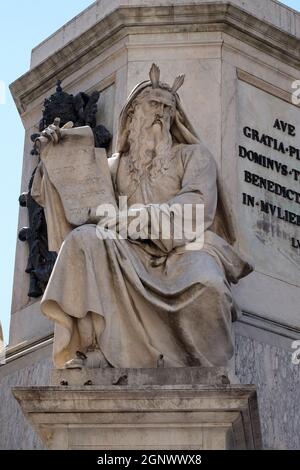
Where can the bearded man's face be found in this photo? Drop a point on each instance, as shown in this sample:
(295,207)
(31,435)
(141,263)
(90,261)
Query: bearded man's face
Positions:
(149,135)
(154,114)
(159,106)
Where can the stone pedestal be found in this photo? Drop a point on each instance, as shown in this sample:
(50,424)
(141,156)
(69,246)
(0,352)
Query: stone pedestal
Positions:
(188,415)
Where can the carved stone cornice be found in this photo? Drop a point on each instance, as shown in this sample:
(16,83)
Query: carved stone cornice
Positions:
(124,21)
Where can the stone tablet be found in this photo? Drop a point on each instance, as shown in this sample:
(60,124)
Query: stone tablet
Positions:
(79,172)
(268,154)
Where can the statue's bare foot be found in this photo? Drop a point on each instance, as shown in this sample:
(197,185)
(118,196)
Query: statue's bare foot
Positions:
(77,362)
(96,359)
(93,359)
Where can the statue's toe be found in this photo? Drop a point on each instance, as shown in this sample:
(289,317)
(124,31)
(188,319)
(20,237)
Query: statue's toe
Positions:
(75,363)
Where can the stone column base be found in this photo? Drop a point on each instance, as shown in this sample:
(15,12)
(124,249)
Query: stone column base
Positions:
(142,416)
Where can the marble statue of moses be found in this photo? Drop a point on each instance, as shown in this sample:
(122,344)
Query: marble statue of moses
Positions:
(136,300)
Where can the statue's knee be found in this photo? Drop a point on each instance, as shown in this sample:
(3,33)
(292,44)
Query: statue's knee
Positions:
(81,234)
(88,238)
(104,233)
(218,287)
(81,239)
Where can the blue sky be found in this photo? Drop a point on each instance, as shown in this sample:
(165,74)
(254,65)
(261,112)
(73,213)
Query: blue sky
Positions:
(23,25)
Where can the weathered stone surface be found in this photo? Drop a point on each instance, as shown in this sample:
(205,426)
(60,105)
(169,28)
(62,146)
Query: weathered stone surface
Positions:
(278,389)
(28,324)
(140,377)
(145,417)
(277,13)
(268,139)
(15,431)
(266,365)
(68,58)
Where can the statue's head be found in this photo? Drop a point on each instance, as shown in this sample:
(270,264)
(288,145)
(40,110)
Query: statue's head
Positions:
(153,109)
(154,106)
(151,121)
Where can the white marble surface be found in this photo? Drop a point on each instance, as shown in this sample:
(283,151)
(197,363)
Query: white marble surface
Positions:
(144,417)
(265,236)
(29,324)
(267,365)
(269,10)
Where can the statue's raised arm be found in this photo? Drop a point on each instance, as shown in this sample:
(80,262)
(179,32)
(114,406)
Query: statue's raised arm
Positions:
(72,180)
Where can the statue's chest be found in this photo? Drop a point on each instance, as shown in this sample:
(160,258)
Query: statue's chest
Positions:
(150,189)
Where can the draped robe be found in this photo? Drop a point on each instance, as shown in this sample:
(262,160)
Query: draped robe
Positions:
(139,299)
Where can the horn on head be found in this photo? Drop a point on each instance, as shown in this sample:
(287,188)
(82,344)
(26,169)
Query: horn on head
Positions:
(154,75)
(178,82)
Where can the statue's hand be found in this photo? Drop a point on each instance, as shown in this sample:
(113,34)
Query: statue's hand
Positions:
(114,222)
(131,223)
(54,132)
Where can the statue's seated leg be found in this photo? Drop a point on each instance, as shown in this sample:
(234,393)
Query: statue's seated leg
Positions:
(217,297)
(89,328)
(204,324)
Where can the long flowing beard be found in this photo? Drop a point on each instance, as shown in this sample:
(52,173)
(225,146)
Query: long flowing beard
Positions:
(144,161)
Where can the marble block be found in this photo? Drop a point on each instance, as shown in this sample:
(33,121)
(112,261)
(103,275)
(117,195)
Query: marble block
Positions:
(186,415)
(140,377)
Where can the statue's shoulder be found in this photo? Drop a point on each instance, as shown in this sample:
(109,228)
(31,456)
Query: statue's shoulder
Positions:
(196,152)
